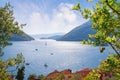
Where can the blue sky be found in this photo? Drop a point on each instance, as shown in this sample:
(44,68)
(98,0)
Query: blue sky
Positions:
(48,16)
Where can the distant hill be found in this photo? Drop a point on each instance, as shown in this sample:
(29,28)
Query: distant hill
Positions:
(79,33)
(21,37)
(46,35)
(55,37)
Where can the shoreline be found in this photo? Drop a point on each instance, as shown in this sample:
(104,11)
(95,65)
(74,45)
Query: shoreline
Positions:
(66,74)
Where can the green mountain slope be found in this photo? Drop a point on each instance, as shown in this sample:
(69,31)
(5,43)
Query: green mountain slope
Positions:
(21,37)
(79,33)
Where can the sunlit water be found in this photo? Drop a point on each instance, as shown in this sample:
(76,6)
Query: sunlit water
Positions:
(56,54)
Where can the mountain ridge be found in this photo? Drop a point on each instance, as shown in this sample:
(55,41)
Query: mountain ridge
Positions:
(20,37)
(79,33)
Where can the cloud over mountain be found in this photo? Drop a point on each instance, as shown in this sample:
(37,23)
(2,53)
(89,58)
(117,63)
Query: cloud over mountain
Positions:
(60,19)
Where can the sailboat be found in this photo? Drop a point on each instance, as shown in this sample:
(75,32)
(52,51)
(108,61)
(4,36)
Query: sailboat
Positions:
(46,43)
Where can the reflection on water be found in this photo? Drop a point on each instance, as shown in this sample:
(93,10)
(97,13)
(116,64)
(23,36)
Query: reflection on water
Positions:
(48,55)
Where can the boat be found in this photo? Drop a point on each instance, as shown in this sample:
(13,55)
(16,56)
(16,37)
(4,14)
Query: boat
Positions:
(36,49)
(27,63)
(45,65)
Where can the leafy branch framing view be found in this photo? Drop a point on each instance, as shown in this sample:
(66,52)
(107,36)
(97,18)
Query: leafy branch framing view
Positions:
(105,18)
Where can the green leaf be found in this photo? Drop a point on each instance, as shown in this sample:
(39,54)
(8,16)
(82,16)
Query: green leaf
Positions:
(108,39)
(77,7)
(113,38)
(90,0)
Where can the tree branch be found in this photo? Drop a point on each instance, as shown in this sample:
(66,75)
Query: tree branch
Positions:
(114,49)
(112,7)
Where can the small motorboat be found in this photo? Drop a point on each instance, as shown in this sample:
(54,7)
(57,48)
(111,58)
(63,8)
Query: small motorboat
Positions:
(45,43)
(36,49)
(45,65)
(27,63)
(51,53)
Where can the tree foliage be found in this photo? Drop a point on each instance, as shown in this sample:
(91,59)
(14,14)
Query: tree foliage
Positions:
(109,69)
(105,17)
(20,73)
(8,26)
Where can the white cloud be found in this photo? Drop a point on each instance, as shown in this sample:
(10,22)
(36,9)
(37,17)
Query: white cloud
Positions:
(38,22)
(65,11)
(62,19)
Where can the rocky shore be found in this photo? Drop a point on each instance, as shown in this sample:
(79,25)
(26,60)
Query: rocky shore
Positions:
(65,75)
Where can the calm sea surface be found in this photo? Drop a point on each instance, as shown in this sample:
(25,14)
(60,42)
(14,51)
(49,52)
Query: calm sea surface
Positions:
(56,54)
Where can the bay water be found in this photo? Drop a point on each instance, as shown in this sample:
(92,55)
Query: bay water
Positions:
(45,56)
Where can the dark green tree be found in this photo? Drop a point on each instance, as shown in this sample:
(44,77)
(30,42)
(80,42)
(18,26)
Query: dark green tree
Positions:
(20,73)
(8,26)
